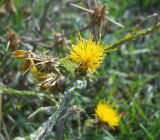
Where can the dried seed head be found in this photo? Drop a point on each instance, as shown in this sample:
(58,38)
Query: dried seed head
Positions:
(98,15)
(49,81)
(10,7)
(43,67)
(26,65)
(58,37)
(43,63)
(46,63)
(13,39)
(2,10)
(59,40)
(52,81)
(25,10)
(27,57)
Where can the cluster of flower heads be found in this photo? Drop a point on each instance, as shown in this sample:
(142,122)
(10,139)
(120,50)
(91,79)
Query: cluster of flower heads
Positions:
(87,56)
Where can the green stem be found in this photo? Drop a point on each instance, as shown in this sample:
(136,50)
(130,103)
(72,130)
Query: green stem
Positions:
(46,128)
(11,91)
(133,35)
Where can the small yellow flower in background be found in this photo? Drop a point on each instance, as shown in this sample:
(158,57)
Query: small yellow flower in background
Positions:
(107,114)
(88,54)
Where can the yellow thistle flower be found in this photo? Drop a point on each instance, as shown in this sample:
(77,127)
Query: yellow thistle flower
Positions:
(87,54)
(107,114)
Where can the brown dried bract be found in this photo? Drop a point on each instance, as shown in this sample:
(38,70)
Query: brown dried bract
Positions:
(13,39)
(98,15)
(27,57)
(25,10)
(2,10)
(43,67)
(59,39)
(10,7)
(46,63)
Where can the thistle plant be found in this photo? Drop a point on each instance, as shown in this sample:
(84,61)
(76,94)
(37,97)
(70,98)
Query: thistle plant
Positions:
(60,67)
(86,56)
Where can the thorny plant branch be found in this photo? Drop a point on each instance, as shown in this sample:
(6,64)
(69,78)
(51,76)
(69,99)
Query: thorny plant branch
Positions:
(11,91)
(154,16)
(134,34)
(45,129)
(48,110)
(61,124)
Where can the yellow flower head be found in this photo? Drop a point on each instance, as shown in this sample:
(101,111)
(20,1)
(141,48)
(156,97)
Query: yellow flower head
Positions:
(88,54)
(107,115)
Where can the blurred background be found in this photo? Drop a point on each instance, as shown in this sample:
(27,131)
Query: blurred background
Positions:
(129,77)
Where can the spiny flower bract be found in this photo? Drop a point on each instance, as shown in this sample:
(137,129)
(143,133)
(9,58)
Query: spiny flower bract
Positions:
(107,114)
(88,54)
(28,64)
